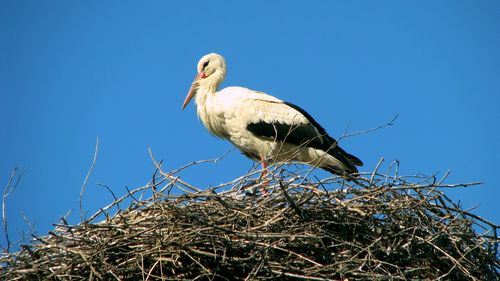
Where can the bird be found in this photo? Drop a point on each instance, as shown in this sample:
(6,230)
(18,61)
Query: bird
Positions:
(263,127)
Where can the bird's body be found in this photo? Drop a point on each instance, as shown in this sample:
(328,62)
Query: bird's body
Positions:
(263,127)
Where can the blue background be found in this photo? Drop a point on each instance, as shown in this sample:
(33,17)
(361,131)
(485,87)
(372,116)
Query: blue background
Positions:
(72,71)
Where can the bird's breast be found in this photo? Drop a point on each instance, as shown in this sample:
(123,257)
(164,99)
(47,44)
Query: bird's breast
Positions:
(212,114)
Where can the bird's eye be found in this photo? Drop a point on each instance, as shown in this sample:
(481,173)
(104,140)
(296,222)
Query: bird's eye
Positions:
(205,64)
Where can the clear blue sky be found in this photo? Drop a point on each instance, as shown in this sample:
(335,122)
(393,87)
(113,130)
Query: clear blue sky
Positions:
(71,71)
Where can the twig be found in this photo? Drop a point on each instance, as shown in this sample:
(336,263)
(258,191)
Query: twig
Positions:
(390,123)
(110,191)
(87,177)
(299,276)
(170,174)
(376,169)
(6,192)
(290,200)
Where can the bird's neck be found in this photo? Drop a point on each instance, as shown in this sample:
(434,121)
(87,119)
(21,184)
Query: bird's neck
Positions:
(208,86)
(205,95)
(201,97)
(204,109)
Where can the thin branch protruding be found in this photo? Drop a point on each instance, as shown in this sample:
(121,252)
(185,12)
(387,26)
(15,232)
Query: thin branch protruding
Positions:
(82,215)
(14,179)
(390,123)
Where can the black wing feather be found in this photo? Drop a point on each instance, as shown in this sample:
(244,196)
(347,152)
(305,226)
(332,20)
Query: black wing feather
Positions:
(330,141)
(304,135)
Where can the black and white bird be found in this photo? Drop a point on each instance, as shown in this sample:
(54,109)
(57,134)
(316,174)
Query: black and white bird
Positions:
(263,127)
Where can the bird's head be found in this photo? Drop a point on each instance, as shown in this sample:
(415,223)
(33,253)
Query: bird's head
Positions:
(211,72)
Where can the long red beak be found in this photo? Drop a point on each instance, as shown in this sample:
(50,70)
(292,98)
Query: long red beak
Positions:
(190,95)
(192,90)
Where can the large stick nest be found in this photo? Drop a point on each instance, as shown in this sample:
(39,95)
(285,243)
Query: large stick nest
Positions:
(376,227)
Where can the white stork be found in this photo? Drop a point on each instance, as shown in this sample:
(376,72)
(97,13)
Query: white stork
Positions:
(263,127)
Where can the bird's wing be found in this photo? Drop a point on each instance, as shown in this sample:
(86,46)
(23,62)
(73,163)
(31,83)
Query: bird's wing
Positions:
(329,143)
(285,122)
(268,117)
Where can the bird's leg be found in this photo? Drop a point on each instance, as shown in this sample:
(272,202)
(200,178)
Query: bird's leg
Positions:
(264,169)
(265,183)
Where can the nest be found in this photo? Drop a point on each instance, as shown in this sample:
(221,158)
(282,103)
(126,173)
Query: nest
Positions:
(290,227)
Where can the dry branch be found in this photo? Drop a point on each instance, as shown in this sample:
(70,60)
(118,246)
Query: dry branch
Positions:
(14,180)
(381,227)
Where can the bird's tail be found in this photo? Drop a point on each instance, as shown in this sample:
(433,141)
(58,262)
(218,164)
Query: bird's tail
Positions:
(351,158)
(348,162)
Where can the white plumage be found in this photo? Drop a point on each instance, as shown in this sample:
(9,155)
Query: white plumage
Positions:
(263,127)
